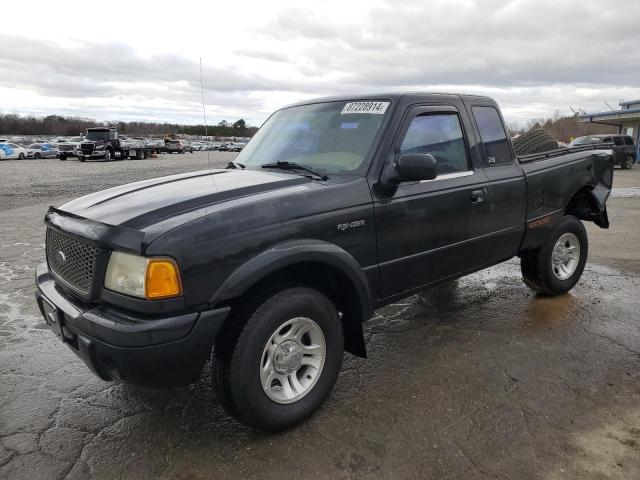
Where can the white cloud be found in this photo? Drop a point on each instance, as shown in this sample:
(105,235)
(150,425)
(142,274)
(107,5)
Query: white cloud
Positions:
(533,56)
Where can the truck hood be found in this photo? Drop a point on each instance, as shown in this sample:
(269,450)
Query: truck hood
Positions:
(142,204)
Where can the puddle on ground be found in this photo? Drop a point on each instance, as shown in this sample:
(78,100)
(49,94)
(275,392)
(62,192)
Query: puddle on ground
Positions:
(544,312)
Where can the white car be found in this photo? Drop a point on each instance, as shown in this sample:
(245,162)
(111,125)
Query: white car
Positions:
(41,150)
(11,150)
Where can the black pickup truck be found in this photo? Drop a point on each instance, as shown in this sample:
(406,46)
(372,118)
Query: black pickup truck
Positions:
(335,208)
(104,143)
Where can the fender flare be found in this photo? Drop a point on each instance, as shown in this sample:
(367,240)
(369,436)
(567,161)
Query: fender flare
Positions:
(290,253)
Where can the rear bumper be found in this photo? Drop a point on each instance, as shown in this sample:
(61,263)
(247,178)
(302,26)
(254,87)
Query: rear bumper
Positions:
(117,345)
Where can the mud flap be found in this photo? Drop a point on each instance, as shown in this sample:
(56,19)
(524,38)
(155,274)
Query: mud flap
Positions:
(602,219)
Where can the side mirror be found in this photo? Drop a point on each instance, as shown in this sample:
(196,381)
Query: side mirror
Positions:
(412,167)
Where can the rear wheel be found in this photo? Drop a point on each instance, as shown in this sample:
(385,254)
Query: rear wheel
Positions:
(556,267)
(628,162)
(139,154)
(36,155)
(279,357)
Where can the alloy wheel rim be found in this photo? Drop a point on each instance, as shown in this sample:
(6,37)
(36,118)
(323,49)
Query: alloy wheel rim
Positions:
(292,360)
(565,256)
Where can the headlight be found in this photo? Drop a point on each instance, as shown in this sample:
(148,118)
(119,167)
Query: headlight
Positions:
(99,147)
(150,278)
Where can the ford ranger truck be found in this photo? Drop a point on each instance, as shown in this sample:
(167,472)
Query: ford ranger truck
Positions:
(335,208)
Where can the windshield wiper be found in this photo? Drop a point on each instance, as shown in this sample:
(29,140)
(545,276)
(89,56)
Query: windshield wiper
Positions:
(234,165)
(294,166)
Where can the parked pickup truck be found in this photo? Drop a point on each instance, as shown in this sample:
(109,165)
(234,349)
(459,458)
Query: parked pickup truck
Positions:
(105,144)
(335,208)
(68,148)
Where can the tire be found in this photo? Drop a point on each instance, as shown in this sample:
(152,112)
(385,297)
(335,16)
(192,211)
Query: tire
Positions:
(21,156)
(627,163)
(82,158)
(539,271)
(139,154)
(244,346)
(107,155)
(36,155)
(534,141)
(63,157)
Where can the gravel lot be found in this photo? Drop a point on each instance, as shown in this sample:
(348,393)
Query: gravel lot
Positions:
(477,379)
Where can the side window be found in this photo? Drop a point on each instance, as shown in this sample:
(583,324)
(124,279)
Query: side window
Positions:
(618,141)
(440,135)
(492,134)
(628,141)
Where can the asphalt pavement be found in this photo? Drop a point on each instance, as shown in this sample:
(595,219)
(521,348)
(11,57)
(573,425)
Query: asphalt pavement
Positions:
(477,379)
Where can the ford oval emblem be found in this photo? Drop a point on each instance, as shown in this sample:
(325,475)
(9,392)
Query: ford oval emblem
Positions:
(61,258)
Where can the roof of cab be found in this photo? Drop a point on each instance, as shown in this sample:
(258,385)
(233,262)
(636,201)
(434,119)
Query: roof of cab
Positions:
(385,96)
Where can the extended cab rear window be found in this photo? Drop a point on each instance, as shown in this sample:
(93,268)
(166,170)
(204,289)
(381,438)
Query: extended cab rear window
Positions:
(492,134)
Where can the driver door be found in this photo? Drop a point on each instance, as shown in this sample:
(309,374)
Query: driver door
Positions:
(430,230)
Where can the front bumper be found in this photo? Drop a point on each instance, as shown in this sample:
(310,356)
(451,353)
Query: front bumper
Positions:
(94,154)
(117,345)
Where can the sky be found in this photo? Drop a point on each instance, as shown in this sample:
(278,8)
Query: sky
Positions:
(127,60)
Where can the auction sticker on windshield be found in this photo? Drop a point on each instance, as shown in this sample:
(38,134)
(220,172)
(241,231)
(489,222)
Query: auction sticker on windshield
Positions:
(365,107)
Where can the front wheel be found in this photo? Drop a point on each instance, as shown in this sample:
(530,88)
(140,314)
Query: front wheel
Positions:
(21,156)
(556,266)
(278,359)
(63,157)
(107,155)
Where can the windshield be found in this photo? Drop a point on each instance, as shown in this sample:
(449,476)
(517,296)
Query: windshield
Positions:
(585,140)
(97,135)
(75,139)
(334,137)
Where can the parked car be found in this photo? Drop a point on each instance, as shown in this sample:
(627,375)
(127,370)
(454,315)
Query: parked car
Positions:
(334,209)
(12,151)
(41,150)
(624,150)
(173,146)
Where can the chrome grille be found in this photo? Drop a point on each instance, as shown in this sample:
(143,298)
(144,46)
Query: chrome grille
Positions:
(73,261)
(65,148)
(87,147)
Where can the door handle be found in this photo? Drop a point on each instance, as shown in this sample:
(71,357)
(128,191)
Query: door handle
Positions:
(477,196)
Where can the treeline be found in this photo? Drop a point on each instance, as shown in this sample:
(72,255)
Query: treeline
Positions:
(563,129)
(13,124)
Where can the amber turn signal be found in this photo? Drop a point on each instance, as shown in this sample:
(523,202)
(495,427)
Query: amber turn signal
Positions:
(162,280)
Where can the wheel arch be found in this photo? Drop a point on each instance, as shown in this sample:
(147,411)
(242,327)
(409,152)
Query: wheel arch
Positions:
(589,204)
(314,263)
